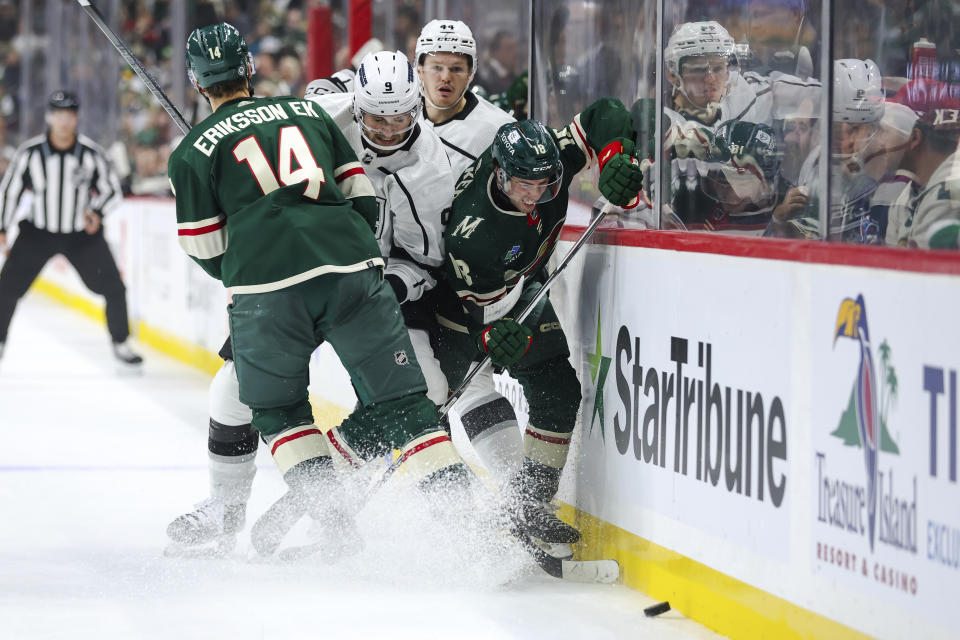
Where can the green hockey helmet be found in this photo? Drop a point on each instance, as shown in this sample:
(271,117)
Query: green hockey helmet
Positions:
(525,151)
(217,53)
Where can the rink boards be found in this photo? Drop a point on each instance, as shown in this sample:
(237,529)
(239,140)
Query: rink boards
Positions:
(768,432)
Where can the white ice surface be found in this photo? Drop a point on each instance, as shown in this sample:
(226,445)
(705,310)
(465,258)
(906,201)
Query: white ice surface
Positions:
(94,465)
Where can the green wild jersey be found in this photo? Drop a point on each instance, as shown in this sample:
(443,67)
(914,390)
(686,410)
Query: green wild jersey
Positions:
(491,251)
(270,194)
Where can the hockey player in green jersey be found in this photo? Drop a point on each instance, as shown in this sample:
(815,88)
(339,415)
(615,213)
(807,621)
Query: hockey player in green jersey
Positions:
(271,200)
(509,208)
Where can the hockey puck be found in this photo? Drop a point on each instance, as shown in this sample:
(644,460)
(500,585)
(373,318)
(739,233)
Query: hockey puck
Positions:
(656,609)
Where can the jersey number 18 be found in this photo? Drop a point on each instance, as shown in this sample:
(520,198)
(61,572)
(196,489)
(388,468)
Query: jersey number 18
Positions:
(293,149)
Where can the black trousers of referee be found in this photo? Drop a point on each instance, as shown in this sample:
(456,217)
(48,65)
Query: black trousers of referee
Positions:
(89,255)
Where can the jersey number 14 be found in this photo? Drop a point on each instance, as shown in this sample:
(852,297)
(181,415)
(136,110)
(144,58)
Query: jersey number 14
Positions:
(293,150)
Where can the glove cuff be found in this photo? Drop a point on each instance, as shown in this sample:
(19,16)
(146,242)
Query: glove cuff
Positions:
(610,151)
(483,338)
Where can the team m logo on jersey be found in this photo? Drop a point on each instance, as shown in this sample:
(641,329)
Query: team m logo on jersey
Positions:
(467,226)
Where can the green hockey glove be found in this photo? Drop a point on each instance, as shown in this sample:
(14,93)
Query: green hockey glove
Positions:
(506,341)
(621,177)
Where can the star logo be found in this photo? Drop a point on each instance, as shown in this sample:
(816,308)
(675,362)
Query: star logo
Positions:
(599,366)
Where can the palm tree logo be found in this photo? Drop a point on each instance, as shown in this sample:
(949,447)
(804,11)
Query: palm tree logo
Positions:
(861,424)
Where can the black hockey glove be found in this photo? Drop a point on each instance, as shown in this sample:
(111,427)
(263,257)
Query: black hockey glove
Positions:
(506,341)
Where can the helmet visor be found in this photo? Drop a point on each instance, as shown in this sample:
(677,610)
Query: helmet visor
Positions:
(736,183)
(707,79)
(530,192)
(388,132)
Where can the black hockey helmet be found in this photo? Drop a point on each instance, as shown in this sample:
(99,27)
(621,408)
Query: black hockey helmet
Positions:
(61,99)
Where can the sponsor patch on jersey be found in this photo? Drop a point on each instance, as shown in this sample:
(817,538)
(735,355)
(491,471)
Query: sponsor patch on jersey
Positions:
(512,254)
(400,357)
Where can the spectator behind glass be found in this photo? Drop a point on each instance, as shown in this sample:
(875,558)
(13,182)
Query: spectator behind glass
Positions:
(406,25)
(931,215)
(499,69)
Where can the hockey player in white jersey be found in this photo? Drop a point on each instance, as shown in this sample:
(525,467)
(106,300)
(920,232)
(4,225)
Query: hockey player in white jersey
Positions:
(446,61)
(413,181)
(414,187)
(446,64)
(863,153)
(709,89)
(466,124)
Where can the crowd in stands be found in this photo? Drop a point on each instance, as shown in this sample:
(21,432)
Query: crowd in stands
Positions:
(591,53)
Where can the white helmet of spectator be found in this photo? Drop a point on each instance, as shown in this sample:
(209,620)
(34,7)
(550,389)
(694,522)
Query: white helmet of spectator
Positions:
(698,39)
(387,93)
(857,92)
(447,36)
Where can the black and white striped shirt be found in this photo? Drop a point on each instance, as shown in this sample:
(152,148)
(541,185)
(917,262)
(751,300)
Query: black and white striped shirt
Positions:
(64,184)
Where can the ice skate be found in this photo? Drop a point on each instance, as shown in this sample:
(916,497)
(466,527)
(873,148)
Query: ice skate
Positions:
(276,522)
(127,361)
(539,520)
(210,529)
(333,536)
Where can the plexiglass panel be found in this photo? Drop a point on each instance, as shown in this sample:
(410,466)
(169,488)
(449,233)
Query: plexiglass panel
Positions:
(895,178)
(583,51)
(741,102)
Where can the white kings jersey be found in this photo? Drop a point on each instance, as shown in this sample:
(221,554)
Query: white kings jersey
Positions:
(468,134)
(414,188)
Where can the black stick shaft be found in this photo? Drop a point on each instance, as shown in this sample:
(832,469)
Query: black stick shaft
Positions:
(136,65)
(527,310)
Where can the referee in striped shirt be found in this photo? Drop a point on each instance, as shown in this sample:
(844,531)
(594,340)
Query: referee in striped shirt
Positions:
(73,186)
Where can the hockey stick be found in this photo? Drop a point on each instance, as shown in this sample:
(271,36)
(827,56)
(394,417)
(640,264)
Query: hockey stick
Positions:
(584,571)
(527,310)
(136,65)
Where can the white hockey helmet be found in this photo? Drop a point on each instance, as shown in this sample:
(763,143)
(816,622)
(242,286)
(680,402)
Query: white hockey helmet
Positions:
(386,88)
(857,92)
(697,39)
(447,36)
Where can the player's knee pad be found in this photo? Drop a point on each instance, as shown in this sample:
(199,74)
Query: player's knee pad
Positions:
(553,395)
(224,398)
(274,420)
(231,441)
(429,365)
(494,433)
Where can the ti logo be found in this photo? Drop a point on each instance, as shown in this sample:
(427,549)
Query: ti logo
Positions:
(599,366)
(861,424)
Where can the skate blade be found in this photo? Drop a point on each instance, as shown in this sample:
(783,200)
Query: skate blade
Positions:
(602,571)
(124,370)
(221,548)
(560,550)
(326,552)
